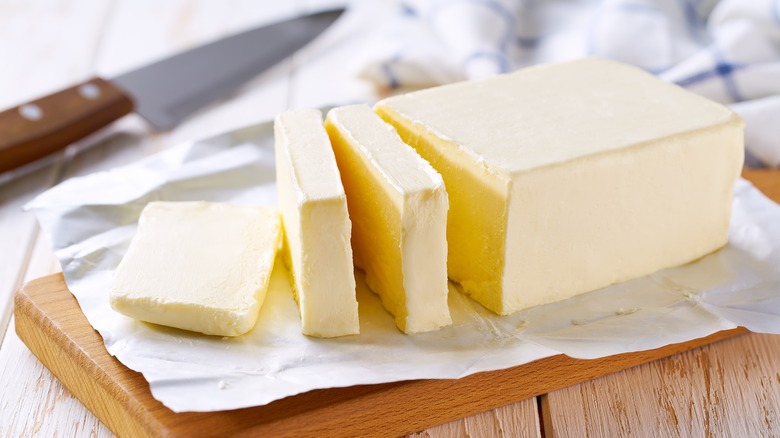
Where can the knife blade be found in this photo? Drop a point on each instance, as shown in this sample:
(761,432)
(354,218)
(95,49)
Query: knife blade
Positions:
(163,93)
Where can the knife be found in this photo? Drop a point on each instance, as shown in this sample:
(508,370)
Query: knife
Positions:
(163,93)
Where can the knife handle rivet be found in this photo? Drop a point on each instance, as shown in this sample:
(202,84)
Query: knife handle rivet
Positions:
(31,112)
(89,91)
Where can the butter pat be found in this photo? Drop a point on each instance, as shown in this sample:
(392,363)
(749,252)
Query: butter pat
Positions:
(317,228)
(398,207)
(198,266)
(567,178)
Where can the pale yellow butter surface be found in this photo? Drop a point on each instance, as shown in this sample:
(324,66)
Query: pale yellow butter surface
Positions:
(198,266)
(317,227)
(398,206)
(566,178)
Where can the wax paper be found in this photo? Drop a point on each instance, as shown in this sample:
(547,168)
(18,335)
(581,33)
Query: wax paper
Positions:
(90,221)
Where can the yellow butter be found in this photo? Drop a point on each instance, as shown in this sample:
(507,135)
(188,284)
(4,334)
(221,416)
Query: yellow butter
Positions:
(198,266)
(317,227)
(398,206)
(570,177)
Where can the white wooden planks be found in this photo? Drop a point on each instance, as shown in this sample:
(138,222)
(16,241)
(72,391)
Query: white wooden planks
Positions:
(88,38)
(520,420)
(34,402)
(46,45)
(730,388)
(139,32)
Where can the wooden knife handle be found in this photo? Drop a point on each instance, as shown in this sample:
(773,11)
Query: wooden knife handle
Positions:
(38,128)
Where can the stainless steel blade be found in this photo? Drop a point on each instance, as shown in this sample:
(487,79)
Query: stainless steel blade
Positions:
(167,91)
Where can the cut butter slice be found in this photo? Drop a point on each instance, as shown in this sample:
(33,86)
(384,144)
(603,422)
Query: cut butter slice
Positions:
(317,228)
(198,266)
(398,207)
(567,178)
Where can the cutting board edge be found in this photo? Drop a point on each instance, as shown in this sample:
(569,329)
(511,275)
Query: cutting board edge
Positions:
(119,407)
(73,367)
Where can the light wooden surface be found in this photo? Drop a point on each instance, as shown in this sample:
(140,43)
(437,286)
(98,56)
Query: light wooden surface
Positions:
(731,388)
(48,44)
(49,322)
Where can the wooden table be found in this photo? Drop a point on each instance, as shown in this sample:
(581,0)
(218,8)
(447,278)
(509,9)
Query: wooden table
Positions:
(729,388)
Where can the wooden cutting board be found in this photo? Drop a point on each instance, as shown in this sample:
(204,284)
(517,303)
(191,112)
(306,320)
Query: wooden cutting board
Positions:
(50,322)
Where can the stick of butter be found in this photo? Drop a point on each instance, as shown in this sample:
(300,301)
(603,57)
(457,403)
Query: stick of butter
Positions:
(398,207)
(567,178)
(317,228)
(198,266)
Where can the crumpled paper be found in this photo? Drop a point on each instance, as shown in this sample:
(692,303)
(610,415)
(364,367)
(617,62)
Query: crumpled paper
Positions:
(91,220)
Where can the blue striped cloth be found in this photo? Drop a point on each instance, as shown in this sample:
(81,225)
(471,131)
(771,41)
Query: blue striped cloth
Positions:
(727,50)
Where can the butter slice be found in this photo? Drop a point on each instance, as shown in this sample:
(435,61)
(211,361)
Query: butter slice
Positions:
(398,207)
(567,178)
(198,266)
(317,227)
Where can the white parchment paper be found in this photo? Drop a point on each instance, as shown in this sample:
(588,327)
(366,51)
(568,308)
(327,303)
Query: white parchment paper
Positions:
(90,222)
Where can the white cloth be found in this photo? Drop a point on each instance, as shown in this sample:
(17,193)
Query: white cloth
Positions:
(727,50)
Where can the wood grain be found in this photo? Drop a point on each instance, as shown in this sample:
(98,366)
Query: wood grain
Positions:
(518,420)
(699,392)
(55,121)
(39,405)
(726,389)
(23,76)
(176,25)
(77,39)
(49,322)
(34,402)
(123,394)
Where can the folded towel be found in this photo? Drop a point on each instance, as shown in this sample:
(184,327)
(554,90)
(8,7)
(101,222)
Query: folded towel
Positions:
(727,50)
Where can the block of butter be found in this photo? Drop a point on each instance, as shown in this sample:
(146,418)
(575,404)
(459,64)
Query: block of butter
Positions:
(198,266)
(398,207)
(317,228)
(567,178)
